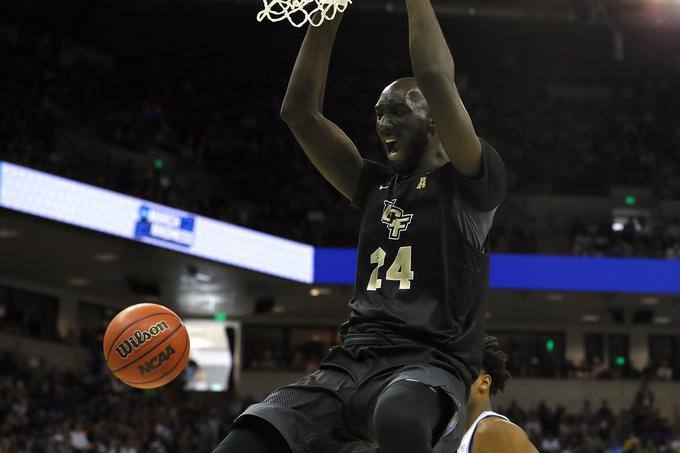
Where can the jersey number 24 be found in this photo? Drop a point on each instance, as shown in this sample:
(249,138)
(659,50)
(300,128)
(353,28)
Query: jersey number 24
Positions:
(399,270)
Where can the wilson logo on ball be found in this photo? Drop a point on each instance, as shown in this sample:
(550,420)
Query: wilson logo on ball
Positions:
(155,362)
(139,337)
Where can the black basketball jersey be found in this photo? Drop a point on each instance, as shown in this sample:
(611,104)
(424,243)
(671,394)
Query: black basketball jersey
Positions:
(420,276)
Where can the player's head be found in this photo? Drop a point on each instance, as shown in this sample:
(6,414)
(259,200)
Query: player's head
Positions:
(404,124)
(494,375)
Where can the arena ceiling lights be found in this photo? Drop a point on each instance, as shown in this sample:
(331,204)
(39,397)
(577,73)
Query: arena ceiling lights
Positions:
(74,203)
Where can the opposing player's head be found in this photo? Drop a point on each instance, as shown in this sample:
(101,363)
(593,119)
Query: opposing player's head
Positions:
(493,375)
(404,124)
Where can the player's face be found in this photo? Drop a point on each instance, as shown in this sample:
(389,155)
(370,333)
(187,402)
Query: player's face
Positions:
(402,119)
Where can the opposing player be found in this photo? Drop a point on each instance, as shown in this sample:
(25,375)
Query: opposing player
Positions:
(488,431)
(413,343)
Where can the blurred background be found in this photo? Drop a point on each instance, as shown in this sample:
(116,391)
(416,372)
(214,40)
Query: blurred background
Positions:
(168,112)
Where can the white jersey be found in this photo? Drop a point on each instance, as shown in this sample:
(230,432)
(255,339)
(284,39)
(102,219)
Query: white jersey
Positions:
(466,442)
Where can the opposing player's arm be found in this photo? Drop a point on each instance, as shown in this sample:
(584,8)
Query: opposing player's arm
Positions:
(433,69)
(324,143)
(498,436)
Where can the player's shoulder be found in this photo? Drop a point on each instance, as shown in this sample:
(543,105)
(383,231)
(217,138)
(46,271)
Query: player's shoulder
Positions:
(499,434)
(495,424)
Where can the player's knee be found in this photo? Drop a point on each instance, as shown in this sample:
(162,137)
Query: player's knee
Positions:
(253,436)
(403,408)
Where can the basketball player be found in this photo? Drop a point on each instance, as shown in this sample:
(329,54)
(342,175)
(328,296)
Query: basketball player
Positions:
(488,431)
(413,344)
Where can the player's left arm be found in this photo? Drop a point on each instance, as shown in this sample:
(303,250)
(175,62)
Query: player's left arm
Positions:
(433,69)
(496,435)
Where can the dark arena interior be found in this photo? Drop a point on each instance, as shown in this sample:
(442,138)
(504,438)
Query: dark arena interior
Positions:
(144,159)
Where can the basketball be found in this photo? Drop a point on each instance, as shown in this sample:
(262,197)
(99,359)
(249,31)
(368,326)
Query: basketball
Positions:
(146,346)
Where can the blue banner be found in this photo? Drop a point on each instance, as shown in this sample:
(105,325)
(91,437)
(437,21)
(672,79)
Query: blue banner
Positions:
(538,272)
(335,266)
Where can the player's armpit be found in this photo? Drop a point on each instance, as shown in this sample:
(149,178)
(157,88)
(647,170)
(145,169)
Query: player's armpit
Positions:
(330,151)
(495,435)
(452,122)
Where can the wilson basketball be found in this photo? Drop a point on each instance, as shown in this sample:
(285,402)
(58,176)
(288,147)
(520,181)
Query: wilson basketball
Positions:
(146,346)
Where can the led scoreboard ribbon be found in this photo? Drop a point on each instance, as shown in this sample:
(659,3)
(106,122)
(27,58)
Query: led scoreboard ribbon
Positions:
(56,198)
(165,225)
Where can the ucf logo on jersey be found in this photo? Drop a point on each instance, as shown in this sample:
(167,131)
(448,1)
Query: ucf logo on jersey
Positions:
(395,219)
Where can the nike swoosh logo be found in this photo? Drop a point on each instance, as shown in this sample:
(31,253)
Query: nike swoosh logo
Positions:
(384,187)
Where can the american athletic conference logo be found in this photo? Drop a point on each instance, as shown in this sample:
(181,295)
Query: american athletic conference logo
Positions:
(138,338)
(395,219)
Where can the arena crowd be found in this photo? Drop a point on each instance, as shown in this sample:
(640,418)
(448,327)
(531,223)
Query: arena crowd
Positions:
(185,129)
(48,410)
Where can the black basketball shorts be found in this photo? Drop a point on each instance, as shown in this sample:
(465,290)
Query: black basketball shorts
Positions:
(331,409)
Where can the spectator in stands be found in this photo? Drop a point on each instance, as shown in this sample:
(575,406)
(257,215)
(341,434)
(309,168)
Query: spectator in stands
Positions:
(551,443)
(267,361)
(599,369)
(644,399)
(664,372)
(586,413)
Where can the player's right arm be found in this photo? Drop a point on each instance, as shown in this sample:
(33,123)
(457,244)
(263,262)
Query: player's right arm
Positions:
(495,435)
(324,143)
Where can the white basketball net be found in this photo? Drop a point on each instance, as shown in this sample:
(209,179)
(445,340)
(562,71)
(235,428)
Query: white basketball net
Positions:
(301,12)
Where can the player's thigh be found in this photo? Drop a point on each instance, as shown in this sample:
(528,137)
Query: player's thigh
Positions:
(311,408)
